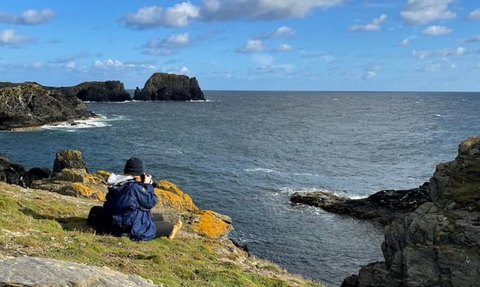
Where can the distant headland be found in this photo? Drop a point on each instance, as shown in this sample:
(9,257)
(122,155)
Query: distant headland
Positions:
(29,104)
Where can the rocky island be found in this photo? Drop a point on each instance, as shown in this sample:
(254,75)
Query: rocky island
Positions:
(169,87)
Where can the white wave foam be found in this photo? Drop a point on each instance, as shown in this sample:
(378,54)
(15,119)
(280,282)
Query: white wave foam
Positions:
(260,169)
(290,191)
(79,124)
(200,101)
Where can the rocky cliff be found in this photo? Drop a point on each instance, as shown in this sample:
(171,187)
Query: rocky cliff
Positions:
(439,243)
(169,87)
(108,91)
(30,105)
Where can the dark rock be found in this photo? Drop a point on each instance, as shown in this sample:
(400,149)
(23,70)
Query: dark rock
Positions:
(38,173)
(383,206)
(439,243)
(30,105)
(69,159)
(34,271)
(108,91)
(12,173)
(169,87)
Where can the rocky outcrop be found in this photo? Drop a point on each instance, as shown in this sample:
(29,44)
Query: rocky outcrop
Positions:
(13,173)
(169,87)
(108,91)
(34,271)
(439,243)
(31,105)
(383,206)
(70,176)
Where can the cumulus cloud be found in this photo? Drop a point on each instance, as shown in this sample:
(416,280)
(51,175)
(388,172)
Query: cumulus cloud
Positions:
(436,30)
(166,46)
(116,64)
(371,71)
(9,38)
(439,53)
(28,17)
(283,48)
(216,10)
(283,32)
(472,39)
(404,43)
(417,12)
(252,46)
(178,15)
(373,26)
(474,15)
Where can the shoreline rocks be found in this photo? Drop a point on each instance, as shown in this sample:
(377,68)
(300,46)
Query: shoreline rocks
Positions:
(439,243)
(383,206)
(32,105)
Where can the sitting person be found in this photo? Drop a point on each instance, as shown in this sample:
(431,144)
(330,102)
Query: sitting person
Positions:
(129,201)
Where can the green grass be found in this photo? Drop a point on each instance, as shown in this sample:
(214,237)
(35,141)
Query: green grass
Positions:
(45,224)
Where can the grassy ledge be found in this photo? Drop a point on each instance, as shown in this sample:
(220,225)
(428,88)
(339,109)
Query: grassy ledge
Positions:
(46,224)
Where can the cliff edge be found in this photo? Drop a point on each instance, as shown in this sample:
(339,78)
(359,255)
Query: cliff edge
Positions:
(439,243)
(31,105)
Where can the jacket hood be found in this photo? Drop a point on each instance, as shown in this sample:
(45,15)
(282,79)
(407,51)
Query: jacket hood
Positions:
(115,180)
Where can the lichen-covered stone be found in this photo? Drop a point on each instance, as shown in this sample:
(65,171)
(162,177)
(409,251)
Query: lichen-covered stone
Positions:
(69,158)
(171,197)
(211,224)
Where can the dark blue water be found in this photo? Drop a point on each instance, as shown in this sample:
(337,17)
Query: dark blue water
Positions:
(244,153)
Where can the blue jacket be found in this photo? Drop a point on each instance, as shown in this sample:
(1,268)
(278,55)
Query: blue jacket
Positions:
(129,203)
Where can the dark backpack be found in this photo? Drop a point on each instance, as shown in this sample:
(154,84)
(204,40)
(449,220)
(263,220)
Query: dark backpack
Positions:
(100,220)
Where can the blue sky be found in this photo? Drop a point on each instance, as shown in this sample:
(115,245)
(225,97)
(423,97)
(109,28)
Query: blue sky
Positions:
(321,45)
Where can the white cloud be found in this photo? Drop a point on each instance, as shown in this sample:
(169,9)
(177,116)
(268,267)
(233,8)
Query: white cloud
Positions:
(116,64)
(472,39)
(252,46)
(417,12)
(372,71)
(178,70)
(436,30)
(373,26)
(404,42)
(283,31)
(178,15)
(261,9)
(28,17)
(9,38)
(166,46)
(439,53)
(283,48)
(474,15)
(181,14)
(69,65)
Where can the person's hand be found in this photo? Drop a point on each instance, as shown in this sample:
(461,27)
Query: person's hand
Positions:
(148,179)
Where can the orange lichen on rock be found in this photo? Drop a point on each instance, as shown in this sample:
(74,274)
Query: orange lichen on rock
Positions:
(170,196)
(85,190)
(211,224)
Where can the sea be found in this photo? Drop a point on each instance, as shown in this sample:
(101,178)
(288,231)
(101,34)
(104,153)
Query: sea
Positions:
(244,153)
